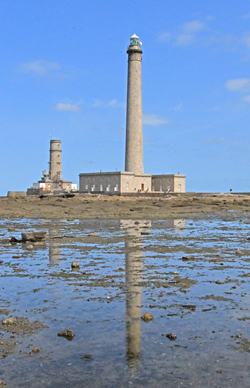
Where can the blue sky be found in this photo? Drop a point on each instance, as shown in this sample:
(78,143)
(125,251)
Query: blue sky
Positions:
(63,73)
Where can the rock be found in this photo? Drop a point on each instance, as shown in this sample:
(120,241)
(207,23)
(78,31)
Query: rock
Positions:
(219,282)
(1,261)
(16,256)
(68,333)
(34,236)
(2,384)
(147,317)
(13,239)
(9,321)
(93,235)
(36,350)
(186,258)
(75,264)
(30,247)
(220,371)
(144,233)
(171,336)
(239,336)
(238,252)
(11,229)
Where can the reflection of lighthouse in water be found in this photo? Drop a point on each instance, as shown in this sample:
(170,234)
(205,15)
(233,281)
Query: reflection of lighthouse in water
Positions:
(54,247)
(134,268)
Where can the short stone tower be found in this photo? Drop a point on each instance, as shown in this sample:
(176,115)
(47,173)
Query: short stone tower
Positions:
(55,160)
(134,139)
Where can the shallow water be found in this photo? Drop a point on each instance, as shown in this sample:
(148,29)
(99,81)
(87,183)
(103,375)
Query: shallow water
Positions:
(128,269)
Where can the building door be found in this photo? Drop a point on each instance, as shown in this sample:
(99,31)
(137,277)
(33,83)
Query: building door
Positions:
(142,187)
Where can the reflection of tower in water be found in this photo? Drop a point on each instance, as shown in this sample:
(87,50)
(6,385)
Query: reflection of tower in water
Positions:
(54,247)
(134,267)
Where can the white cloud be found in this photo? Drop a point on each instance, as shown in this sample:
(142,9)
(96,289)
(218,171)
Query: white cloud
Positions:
(238,84)
(112,102)
(246,16)
(164,37)
(184,39)
(39,67)
(246,39)
(67,107)
(187,35)
(104,103)
(194,26)
(154,120)
(246,98)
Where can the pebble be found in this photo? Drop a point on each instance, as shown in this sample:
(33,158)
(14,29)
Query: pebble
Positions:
(239,336)
(219,282)
(171,336)
(9,321)
(238,252)
(29,246)
(147,317)
(66,333)
(36,350)
(93,235)
(75,264)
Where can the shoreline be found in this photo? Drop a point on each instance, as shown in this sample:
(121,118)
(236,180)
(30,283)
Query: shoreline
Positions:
(123,207)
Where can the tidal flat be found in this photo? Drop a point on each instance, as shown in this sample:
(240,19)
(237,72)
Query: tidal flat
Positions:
(191,274)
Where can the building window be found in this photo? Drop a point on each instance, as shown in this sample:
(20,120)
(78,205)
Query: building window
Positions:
(153,188)
(86,187)
(49,186)
(127,185)
(101,187)
(58,175)
(116,187)
(58,163)
(160,188)
(67,187)
(179,187)
(108,188)
(168,188)
(93,188)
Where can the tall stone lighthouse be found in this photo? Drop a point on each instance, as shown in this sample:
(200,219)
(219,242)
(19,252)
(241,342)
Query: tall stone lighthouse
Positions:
(134,139)
(133,179)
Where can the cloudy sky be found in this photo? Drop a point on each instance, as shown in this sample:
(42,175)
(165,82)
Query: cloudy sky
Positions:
(63,72)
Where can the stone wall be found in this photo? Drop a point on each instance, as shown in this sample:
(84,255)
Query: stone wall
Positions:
(16,194)
(174,183)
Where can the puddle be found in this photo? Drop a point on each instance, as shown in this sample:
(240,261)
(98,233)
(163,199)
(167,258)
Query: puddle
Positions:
(186,273)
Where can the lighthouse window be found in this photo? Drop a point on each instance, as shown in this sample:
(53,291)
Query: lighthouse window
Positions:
(127,185)
(179,187)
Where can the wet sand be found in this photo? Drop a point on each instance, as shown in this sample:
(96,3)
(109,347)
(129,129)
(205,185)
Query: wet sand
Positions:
(189,269)
(115,207)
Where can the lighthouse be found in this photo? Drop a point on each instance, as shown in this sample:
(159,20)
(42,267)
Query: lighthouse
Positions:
(134,137)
